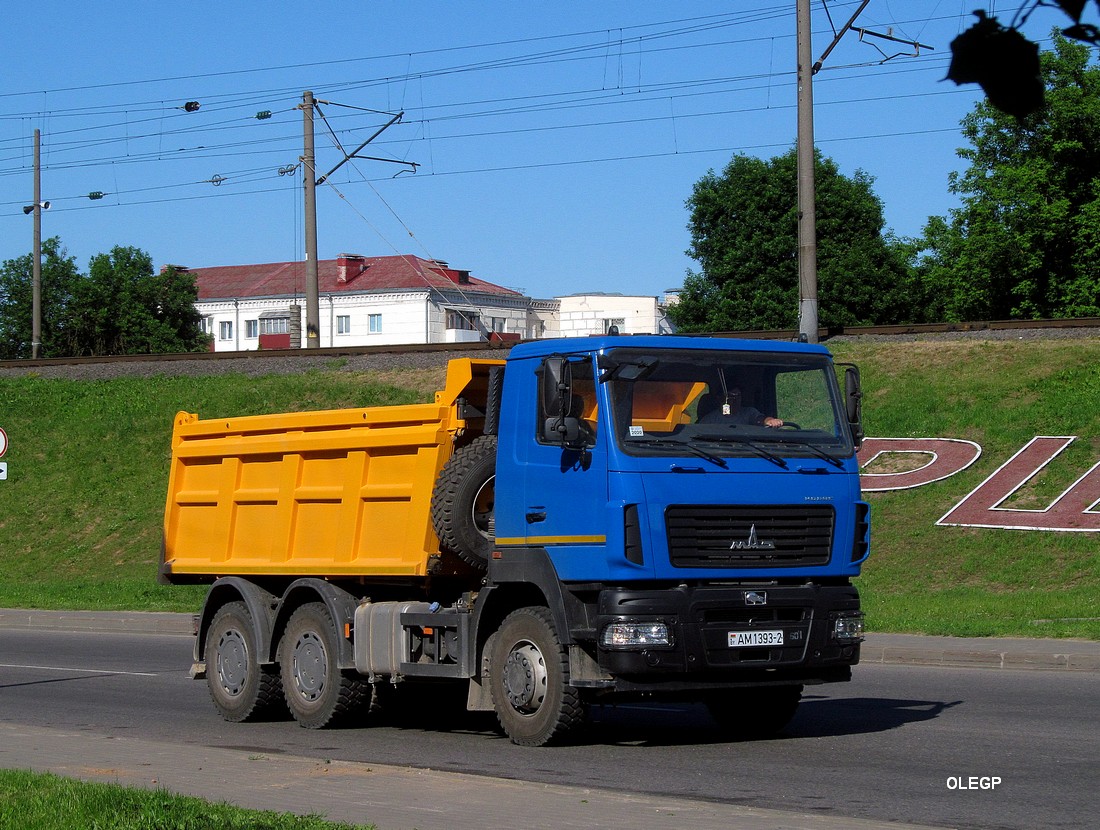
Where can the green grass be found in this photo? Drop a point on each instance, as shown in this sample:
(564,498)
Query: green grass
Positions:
(973,581)
(81,511)
(41,801)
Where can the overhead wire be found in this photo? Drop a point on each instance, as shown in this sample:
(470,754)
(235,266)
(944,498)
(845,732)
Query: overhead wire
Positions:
(512,106)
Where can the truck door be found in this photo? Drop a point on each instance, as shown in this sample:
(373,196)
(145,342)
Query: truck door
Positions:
(565,475)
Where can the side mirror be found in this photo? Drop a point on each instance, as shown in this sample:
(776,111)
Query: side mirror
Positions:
(853,403)
(560,420)
(555,386)
(564,430)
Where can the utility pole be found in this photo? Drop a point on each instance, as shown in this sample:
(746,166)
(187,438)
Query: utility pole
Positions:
(309,176)
(311,180)
(807,219)
(36,262)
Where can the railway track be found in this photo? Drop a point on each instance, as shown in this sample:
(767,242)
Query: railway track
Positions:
(327,356)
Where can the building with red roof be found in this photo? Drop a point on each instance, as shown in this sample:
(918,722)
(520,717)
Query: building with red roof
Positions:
(366,301)
(362,301)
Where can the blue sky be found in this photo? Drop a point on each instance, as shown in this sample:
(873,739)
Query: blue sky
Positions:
(556,142)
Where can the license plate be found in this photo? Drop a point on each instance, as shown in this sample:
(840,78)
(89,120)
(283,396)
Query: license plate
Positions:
(746,639)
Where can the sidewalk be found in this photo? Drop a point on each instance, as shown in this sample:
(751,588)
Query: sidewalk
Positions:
(392,798)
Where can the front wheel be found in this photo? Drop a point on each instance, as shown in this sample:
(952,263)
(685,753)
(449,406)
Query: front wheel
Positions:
(318,693)
(529,680)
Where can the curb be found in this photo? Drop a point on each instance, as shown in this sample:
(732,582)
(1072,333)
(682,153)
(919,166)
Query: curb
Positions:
(884,649)
(131,622)
(981,652)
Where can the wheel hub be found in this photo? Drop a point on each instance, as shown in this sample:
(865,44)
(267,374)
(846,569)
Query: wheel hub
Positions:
(525,678)
(310,663)
(232,662)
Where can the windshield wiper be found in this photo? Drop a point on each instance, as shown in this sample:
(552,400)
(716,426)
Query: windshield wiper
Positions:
(820,453)
(680,445)
(748,442)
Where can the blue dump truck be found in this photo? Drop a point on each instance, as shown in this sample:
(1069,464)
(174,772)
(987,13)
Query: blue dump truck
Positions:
(591,520)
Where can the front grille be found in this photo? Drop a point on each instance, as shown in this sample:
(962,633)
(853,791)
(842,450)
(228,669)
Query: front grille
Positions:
(749,536)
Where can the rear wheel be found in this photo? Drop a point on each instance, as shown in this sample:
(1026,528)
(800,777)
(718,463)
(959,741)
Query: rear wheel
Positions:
(318,693)
(749,714)
(240,687)
(529,680)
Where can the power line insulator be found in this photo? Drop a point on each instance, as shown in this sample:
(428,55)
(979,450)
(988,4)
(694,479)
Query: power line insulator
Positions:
(96,194)
(263,115)
(192,106)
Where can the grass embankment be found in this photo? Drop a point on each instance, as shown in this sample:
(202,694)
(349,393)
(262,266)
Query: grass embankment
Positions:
(37,801)
(81,511)
(980,581)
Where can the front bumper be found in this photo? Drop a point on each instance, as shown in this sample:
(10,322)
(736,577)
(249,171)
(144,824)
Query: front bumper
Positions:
(703,620)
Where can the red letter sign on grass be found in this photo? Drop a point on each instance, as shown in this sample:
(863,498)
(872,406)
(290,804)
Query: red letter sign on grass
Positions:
(1074,510)
(946,456)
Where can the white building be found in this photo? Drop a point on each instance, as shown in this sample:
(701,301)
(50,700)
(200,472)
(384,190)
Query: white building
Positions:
(582,315)
(365,301)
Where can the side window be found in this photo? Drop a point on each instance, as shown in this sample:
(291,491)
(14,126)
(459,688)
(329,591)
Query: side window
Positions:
(584,398)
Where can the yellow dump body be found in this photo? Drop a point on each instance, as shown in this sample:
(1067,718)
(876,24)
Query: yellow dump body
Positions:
(337,493)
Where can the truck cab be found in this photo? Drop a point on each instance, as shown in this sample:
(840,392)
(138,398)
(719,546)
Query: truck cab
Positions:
(698,501)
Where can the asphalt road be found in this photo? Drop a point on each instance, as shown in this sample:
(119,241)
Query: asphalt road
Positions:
(888,746)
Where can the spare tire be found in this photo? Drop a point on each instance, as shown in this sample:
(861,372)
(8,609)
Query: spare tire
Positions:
(463,501)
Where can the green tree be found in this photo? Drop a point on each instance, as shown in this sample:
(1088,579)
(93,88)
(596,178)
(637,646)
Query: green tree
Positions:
(122,307)
(1025,242)
(58,276)
(744,234)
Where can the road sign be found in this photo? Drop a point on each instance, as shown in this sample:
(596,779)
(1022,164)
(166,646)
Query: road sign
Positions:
(3,442)
(3,470)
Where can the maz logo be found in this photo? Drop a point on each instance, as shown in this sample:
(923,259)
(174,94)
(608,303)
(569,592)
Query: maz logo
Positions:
(752,543)
(1077,509)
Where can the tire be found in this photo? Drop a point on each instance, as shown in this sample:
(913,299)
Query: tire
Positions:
(529,680)
(751,714)
(317,692)
(463,501)
(242,689)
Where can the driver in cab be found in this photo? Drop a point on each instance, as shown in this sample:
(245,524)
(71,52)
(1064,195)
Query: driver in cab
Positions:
(719,408)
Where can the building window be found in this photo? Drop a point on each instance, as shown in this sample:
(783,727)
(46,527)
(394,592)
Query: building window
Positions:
(206,324)
(465,320)
(343,324)
(251,329)
(619,323)
(374,323)
(225,330)
(497,324)
(274,325)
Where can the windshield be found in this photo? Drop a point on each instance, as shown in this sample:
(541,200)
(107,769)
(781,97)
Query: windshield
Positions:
(725,403)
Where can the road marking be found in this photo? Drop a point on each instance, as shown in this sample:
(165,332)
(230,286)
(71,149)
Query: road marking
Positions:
(82,671)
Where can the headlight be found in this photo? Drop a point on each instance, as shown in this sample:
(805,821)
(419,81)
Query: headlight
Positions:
(639,634)
(848,627)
